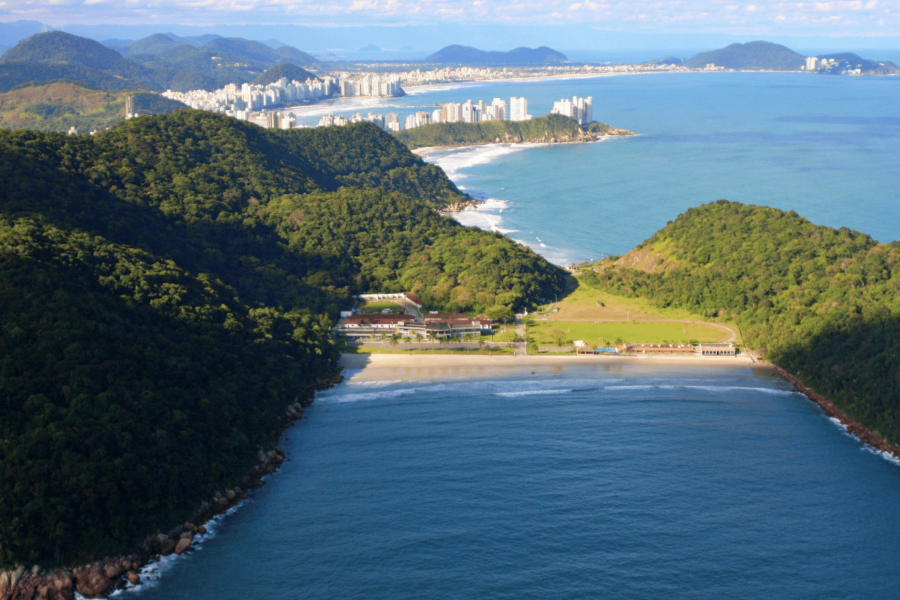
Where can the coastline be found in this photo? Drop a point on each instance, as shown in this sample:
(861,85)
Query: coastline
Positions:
(422,367)
(99,578)
(547,141)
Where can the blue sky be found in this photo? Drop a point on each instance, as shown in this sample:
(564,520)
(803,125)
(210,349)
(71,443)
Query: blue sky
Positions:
(864,18)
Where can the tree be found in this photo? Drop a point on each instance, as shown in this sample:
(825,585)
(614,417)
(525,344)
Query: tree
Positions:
(557,335)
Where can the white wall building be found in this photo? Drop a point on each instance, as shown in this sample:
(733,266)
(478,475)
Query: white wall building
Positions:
(518,109)
(580,109)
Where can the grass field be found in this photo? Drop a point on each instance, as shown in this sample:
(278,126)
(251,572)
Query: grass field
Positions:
(377,307)
(631,332)
(593,316)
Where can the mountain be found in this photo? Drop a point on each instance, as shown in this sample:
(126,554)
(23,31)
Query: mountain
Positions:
(59,106)
(519,56)
(292,72)
(154,44)
(752,55)
(822,303)
(166,294)
(64,57)
(274,44)
(666,60)
(12,32)
(3,49)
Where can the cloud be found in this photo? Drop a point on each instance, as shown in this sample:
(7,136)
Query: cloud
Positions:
(790,17)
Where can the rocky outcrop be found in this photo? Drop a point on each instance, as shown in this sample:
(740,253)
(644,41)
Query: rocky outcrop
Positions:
(461,206)
(99,579)
(864,435)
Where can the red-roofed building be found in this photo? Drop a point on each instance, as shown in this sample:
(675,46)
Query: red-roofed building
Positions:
(414,299)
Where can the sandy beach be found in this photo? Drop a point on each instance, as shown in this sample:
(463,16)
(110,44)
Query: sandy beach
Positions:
(401,367)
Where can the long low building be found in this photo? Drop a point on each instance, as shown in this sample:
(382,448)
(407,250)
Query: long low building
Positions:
(372,326)
(717,350)
(659,349)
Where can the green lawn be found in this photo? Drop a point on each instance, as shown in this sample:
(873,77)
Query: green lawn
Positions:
(629,332)
(377,307)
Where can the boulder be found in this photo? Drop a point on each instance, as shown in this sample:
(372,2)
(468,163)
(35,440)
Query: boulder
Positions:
(167,547)
(201,529)
(91,582)
(111,571)
(133,577)
(183,544)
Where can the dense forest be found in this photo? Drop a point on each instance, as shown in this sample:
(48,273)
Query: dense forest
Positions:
(448,134)
(824,303)
(167,288)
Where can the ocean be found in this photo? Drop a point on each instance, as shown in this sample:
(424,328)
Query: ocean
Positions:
(623,481)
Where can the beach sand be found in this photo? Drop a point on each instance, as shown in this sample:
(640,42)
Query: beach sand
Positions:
(401,367)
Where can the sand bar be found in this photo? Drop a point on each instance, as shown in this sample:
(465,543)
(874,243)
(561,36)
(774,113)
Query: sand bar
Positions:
(431,367)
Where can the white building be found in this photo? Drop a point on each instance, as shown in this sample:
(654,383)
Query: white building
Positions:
(518,109)
(811,63)
(580,109)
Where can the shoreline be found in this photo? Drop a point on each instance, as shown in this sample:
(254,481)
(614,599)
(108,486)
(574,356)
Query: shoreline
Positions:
(421,367)
(620,133)
(100,578)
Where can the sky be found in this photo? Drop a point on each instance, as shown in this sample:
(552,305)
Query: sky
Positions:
(858,18)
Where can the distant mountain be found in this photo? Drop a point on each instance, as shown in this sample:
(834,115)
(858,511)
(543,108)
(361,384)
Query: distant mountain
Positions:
(154,44)
(752,55)
(11,33)
(519,56)
(666,60)
(292,72)
(274,44)
(371,48)
(61,56)
(3,49)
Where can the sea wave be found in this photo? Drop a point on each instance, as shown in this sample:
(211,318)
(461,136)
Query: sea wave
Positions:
(369,391)
(452,161)
(485,216)
(152,572)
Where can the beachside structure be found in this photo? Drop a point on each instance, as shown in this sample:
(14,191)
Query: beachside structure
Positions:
(669,349)
(403,297)
(717,350)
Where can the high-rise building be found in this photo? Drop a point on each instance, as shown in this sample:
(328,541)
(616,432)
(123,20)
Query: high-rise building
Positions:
(454,112)
(500,111)
(811,63)
(518,109)
(580,109)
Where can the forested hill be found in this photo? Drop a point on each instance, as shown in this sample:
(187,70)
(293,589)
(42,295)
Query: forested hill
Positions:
(166,290)
(823,302)
(752,55)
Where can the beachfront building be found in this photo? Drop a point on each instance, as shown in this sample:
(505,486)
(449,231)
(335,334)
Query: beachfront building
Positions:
(811,63)
(580,109)
(716,350)
(666,349)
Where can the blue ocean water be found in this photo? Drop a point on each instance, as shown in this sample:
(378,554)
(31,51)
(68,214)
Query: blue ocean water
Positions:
(616,482)
(623,482)
(823,146)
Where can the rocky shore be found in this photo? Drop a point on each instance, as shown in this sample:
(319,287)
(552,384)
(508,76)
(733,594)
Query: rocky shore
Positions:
(100,578)
(865,436)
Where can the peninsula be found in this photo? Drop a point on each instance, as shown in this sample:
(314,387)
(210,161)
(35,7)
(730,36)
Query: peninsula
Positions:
(549,129)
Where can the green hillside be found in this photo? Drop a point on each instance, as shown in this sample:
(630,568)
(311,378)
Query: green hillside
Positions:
(752,55)
(59,106)
(517,56)
(448,134)
(166,290)
(823,302)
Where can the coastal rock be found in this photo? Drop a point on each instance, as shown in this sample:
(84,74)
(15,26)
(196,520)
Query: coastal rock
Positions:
(133,577)
(201,529)
(183,544)
(111,571)
(167,547)
(91,582)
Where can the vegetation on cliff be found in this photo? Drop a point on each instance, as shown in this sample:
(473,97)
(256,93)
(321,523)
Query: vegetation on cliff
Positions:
(450,134)
(823,302)
(166,291)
